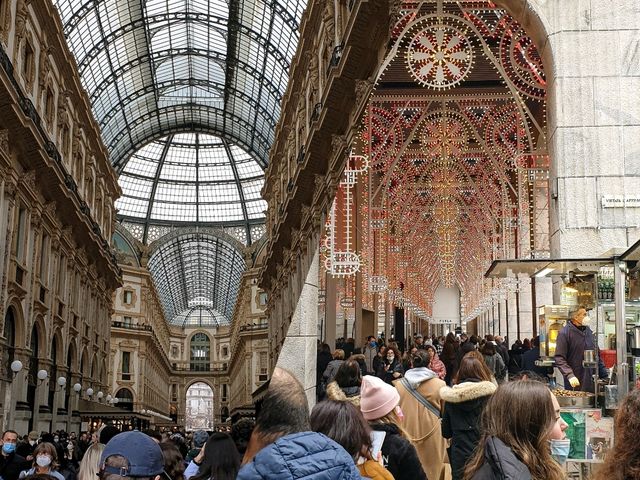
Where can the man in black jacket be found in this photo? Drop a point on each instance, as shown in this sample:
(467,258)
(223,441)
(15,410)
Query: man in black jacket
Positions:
(11,464)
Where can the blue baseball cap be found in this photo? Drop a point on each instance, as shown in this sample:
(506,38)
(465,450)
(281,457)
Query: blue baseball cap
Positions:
(143,455)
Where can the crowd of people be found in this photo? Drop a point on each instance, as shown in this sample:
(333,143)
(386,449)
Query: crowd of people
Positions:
(471,409)
(455,412)
(111,454)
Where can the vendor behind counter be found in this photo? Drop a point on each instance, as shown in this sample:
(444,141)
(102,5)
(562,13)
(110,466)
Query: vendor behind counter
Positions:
(572,341)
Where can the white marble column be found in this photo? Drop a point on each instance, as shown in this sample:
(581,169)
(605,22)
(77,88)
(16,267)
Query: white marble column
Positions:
(298,354)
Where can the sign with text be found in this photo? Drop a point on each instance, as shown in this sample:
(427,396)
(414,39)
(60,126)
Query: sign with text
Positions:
(620,201)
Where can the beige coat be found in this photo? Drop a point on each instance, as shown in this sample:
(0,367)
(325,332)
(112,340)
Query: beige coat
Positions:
(422,426)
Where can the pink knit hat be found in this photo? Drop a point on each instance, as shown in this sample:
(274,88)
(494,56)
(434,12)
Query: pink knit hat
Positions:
(377,398)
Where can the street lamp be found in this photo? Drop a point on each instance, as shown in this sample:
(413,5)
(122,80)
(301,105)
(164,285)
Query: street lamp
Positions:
(89,392)
(62,381)
(16,366)
(42,375)
(109,398)
(100,395)
(77,387)
(115,401)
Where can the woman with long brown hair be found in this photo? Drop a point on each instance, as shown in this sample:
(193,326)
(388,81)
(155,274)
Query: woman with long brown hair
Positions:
(519,423)
(342,422)
(623,461)
(464,403)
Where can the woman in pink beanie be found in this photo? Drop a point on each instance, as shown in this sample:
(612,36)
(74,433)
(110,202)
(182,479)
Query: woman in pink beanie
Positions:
(379,406)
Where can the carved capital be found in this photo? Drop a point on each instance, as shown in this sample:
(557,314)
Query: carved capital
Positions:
(29,180)
(50,209)
(363,89)
(338,144)
(4,141)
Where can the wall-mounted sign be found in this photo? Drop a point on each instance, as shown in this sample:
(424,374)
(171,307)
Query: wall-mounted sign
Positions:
(444,321)
(620,201)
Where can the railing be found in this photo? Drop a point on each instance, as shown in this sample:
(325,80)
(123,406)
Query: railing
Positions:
(253,326)
(132,326)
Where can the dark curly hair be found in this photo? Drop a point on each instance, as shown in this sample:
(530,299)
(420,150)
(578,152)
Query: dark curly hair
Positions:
(173,463)
(241,433)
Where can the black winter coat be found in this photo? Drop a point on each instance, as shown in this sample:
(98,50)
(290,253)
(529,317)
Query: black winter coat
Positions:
(387,375)
(399,455)
(500,463)
(12,465)
(461,420)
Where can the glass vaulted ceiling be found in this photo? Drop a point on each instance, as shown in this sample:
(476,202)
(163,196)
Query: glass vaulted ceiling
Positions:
(192,178)
(159,66)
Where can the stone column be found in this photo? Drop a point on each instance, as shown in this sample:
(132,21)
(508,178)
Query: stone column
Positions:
(330,323)
(298,354)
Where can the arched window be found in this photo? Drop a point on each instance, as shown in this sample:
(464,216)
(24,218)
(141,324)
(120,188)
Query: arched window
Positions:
(200,352)
(125,398)
(10,335)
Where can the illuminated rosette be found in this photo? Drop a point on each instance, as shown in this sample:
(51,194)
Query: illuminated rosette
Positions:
(440,55)
(520,59)
(444,135)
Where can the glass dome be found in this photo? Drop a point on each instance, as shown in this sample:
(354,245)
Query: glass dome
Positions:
(200,316)
(192,178)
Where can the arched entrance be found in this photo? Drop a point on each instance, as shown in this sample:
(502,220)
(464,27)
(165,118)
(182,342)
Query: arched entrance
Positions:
(448,171)
(125,399)
(199,413)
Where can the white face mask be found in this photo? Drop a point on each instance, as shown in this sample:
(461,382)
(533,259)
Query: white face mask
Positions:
(43,460)
(586,321)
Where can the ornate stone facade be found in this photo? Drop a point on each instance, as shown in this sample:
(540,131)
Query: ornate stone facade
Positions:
(57,268)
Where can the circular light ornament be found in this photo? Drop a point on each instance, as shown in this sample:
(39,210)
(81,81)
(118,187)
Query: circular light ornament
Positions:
(109,398)
(77,387)
(42,374)
(16,366)
(439,56)
(100,395)
(89,391)
(62,381)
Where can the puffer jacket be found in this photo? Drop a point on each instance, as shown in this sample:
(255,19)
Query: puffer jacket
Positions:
(331,370)
(308,455)
(463,407)
(500,463)
(346,394)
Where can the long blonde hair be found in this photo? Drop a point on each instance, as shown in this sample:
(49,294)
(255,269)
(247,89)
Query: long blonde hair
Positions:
(392,418)
(522,416)
(90,464)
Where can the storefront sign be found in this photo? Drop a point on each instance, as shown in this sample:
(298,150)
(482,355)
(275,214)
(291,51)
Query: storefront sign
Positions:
(620,201)
(444,321)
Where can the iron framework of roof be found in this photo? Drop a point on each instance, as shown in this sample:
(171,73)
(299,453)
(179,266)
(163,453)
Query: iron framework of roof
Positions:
(197,277)
(157,67)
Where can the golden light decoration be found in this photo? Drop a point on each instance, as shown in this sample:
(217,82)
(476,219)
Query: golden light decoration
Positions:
(439,56)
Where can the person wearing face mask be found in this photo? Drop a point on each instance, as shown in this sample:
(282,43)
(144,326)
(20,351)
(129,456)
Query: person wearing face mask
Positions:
(391,368)
(25,448)
(11,464)
(572,341)
(522,435)
(370,351)
(379,404)
(45,462)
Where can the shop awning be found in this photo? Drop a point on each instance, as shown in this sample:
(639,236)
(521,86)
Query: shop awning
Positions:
(95,409)
(545,267)
(632,254)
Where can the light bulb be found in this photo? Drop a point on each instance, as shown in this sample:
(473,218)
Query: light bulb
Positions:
(62,381)
(42,374)
(16,366)
(77,387)
(89,391)
(100,395)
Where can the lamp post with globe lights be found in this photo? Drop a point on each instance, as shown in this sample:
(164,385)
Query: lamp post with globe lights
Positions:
(16,367)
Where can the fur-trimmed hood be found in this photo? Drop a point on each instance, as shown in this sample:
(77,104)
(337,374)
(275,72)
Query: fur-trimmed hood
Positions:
(466,391)
(348,394)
